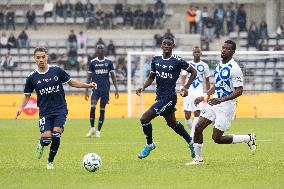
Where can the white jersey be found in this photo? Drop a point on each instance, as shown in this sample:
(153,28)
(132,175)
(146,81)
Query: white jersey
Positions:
(202,70)
(227,77)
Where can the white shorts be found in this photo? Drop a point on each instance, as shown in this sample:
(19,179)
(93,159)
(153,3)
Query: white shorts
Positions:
(188,103)
(220,118)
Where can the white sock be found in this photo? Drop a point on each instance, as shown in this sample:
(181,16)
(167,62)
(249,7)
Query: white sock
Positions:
(188,122)
(92,129)
(195,121)
(150,145)
(198,151)
(240,138)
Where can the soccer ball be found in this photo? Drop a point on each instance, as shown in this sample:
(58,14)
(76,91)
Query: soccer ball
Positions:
(92,162)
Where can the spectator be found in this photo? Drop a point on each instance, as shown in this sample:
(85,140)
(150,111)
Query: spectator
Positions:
(263,32)
(149,18)
(191,18)
(147,67)
(109,20)
(59,8)
(31,18)
(2,18)
(72,39)
(158,40)
(128,17)
(12,41)
(280,31)
(277,47)
(89,9)
(82,40)
(138,18)
(48,9)
(99,19)
(79,9)
(159,5)
(241,19)
(68,9)
(118,9)
(23,40)
(62,61)
(10,18)
(209,27)
(7,62)
(83,61)
(219,16)
(159,18)
(169,33)
(230,18)
(198,19)
(53,58)
(277,82)
(204,45)
(3,40)
(90,22)
(72,59)
(121,71)
(100,41)
(253,35)
(110,49)
(263,46)
(204,16)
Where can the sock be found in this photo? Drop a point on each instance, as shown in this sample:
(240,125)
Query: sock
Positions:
(198,151)
(188,122)
(147,129)
(101,119)
(195,121)
(45,141)
(240,139)
(54,145)
(179,129)
(92,116)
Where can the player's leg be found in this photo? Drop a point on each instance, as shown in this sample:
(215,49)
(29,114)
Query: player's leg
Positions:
(59,122)
(46,135)
(103,102)
(145,121)
(94,101)
(187,111)
(195,121)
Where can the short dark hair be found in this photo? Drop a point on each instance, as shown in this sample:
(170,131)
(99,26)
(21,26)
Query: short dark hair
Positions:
(169,38)
(232,43)
(40,49)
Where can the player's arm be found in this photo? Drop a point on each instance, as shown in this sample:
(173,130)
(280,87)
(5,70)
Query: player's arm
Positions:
(235,94)
(193,73)
(114,81)
(147,83)
(209,92)
(78,84)
(89,77)
(24,103)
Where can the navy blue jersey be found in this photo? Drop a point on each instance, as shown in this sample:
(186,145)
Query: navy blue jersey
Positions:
(49,89)
(167,73)
(100,70)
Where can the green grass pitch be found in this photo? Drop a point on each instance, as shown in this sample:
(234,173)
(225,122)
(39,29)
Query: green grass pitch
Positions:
(226,166)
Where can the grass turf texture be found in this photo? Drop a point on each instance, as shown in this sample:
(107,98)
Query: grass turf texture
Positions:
(226,166)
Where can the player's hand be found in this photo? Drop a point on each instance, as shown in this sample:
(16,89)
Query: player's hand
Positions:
(214,101)
(198,100)
(183,92)
(116,94)
(86,96)
(139,91)
(92,85)
(19,111)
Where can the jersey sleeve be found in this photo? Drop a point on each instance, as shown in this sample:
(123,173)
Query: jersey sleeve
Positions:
(29,87)
(91,68)
(237,77)
(64,76)
(183,64)
(184,73)
(153,65)
(111,68)
(206,71)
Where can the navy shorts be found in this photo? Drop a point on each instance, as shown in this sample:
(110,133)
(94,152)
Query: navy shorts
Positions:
(165,105)
(104,96)
(47,123)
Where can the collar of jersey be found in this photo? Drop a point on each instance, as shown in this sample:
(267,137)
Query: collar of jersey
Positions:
(43,72)
(231,61)
(167,58)
(101,60)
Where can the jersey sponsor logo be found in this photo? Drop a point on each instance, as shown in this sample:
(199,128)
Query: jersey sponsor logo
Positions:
(31,108)
(101,71)
(100,65)
(46,80)
(164,75)
(48,90)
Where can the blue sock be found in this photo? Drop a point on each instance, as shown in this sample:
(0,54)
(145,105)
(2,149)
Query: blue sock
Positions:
(147,129)
(92,116)
(101,118)
(54,145)
(45,141)
(179,129)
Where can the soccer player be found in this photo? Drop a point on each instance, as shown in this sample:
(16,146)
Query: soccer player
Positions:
(220,110)
(47,80)
(99,70)
(166,69)
(195,89)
